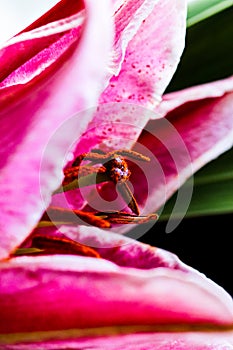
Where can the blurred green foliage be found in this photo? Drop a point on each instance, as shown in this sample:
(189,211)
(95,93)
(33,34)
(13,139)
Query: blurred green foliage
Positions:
(201,9)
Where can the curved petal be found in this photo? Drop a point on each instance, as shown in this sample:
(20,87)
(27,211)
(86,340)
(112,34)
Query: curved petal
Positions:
(119,249)
(150,61)
(196,93)
(72,292)
(37,37)
(129,16)
(204,124)
(41,111)
(84,302)
(152,55)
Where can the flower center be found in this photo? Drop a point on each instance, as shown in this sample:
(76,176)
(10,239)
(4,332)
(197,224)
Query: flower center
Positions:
(98,167)
(103,167)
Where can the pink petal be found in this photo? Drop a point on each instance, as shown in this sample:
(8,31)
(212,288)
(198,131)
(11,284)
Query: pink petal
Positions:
(147,66)
(152,55)
(64,297)
(56,97)
(197,130)
(38,36)
(196,93)
(64,292)
(119,249)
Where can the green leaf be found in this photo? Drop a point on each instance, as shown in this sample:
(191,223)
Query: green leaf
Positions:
(208,53)
(213,189)
(201,9)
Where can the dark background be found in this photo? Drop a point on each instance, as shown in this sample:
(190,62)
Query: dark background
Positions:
(205,243)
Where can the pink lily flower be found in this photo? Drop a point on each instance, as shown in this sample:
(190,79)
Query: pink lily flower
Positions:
(134,296)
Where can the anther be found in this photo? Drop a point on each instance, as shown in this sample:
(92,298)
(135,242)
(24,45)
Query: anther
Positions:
(117,170)
(126,218)
(61,245)
(55,216)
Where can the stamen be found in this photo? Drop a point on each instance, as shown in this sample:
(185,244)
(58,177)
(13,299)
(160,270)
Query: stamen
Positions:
(55,215)
(76,172)
(128,197)
(94,156)
(126,218)
(114,168)
(98,155)
(131,154)
(44,244)
(91,179)
(61,245)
